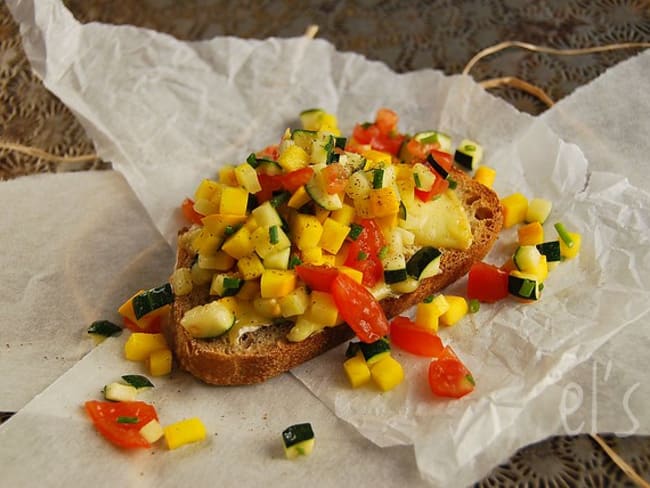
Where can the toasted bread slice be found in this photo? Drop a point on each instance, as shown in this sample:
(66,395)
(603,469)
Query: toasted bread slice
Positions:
(265,352)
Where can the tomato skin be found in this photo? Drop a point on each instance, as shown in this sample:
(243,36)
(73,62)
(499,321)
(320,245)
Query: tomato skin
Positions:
(104,416)
(381,135)
(386,120)
(336,177)
(413,339)
(487,283)
(191,215)
(444,159)
(295,179)
(271,152)
(368,244)
(319,278)
(359,309)
(448,376)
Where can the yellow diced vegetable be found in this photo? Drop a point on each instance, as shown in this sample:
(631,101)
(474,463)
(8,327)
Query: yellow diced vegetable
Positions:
(234,200)
(357,371)
(250,267)
(240,244)
(219,262)
(139,345)
(277,283)
(343,215)
(387,224)
(267,307)
(247,178)
(329,259)
(376,158)
(541,270)
(530,234)
(333,235)
(227,176)
(485,175)
(322,309)
(342,255)
(205,207)
(216,224)
(384,202)
(329,124)
(249,290)
(355,274)
(200,276)
(294,303)
(387,373)
(126,309)
(184,432)
(160,362)
(538,210)
(571,252)
(313,255)
(514,207)
(458,308)
(293,157)
(278,260)
(206,243)
(206,190)
(269,240)
(299,198)
(152,431)
(428,313)
(306,231)
(321,214)
(181,281)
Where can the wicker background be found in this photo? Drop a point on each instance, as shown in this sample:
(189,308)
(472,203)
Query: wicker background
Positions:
(406,35)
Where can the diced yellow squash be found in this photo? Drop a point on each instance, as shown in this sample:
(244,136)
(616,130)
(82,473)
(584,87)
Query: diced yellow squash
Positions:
(299,198)
(184,432)
(277,283)
(219,262)
(313,255)
(457,310)
(216,224)
(227,176)
(428,314)
(303,328)
(403,172)
(181,281)
(376,158)
(485,175)
(387,224)
(206,243)
(514,207)
(406,190)
(160,362)
(206,190)
(321,214)
(387,373)
(538,210)
(355,274)
(541,270)
(249,290)
(294,303)
(329,124)
(247,178)
(205,207)
(571,252)
(357,371)
(322,309)
(278,260)
(334,233)
(530,234)
(251,224)
(139,345)
(293,157)
(384,202)
(240,244)
(342,255)
(267,307)
(234,200)
(344,215)
(362,207)
(267,242)
(306,231)
(329,259)
(250,267)
(126,309)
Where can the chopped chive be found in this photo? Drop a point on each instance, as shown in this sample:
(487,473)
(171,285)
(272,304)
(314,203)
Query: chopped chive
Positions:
(252,160)
(273,234)
(127,420)
(294,261)
(231,229)
(452,183)
(138,381)
(474,305)
(527,288)
(366,125)
(383,252)
(355,231)
(362,256)
(428,299)
(469,147)
(377,178)
(416,177)
(230,282)
(104,328)
(564,234)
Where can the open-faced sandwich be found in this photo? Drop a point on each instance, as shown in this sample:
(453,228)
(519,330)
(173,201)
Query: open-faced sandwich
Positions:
(319,238)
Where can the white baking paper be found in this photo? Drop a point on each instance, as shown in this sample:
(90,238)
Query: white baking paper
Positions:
(168,113)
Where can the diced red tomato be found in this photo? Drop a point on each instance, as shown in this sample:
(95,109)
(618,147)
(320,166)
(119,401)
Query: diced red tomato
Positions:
(270,152)
(386,120)
(295,179)
(416,340)
(381,135)
(106,417)
(189,213)
(359,309)
(269,184)
(448,376)
(444,159)
(336,177)
(319,278)
(439,185)
(363,253)
(487,283)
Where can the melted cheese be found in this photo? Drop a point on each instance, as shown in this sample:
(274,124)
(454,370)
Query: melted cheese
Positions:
(441,223)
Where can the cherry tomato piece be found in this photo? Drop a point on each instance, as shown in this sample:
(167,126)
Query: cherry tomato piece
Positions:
(416,340)
(319,278)
(120,422)
(487,283)
(191,215)
(448,376)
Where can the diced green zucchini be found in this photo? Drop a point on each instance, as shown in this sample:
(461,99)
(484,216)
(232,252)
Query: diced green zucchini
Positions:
(315,188)
(377,178)
(524,285)
(434,137)
(424,178)
(352,349)
(120,392)
(298,440)
(393,260)
(424,263)
(210,320)
(392,276)
(268,167)
(526,258)
(340,142)
(551,250)
(436,167)
(104,328)
(304,138)
(323,148)
(225,285)
(267,215)
(279,198)
(468,154)
(137,381)
(374,351)
(352,161)
(152,299)
(311,118)
(152,431)
(278,260)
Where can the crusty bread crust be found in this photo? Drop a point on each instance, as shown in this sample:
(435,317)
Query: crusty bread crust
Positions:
(265,353)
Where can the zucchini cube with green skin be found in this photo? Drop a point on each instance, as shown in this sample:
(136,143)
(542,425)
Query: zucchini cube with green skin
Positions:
(209,320)
(374,351)
(469,154)
(153,299)
(298,440)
